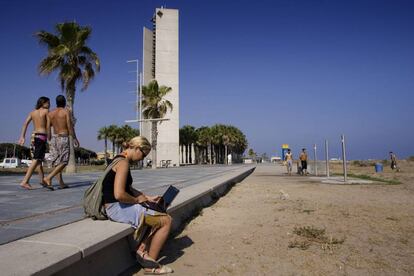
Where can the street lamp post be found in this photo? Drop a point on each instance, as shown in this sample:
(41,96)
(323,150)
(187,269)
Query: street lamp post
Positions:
(327,158)
(138,104)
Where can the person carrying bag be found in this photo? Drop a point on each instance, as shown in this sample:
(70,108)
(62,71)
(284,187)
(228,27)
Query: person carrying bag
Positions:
(116,199)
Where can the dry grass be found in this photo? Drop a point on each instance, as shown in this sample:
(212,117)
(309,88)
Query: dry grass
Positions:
(311,234)
(301,244)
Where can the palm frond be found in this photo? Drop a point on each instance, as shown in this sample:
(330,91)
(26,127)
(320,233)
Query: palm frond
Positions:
(68,32)
(60,50)
(48,39)
(87,75)
(91,56)
(83,34)
(49,64)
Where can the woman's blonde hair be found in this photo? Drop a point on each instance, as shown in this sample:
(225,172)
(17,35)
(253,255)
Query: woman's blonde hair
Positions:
(138,142)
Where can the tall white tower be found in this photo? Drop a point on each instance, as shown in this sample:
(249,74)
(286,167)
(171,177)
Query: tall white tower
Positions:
(160,62)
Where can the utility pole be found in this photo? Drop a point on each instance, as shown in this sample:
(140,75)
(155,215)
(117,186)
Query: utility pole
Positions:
(344,157)
(327,158)
(315,160)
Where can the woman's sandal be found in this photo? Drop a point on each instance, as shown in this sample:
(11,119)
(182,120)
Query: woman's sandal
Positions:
(159,271)
(147,262)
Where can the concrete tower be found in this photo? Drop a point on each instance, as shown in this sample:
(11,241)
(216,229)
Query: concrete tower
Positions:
(160,62)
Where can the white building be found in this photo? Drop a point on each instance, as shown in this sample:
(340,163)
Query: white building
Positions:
(160,62)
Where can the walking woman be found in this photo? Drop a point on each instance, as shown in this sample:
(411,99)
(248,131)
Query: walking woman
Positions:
(122,204)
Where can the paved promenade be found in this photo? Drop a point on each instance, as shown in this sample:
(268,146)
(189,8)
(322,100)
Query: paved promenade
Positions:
(24,213)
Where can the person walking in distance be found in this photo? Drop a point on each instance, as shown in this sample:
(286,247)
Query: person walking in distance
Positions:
(40,131)
(61,122)
(304,161)
(289,161)
(393,158)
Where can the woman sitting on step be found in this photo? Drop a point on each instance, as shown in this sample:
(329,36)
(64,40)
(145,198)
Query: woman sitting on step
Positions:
(122,204)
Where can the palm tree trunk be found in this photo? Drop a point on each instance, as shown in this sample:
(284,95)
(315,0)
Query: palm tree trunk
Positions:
(154,134)
(196,154)
(214,154)
(206,154)
(210,149)
(70,98)
(182,154)
(106,149)
(113,149)
(190,157)
(186,154)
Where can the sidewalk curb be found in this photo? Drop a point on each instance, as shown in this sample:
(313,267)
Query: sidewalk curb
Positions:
(90,247)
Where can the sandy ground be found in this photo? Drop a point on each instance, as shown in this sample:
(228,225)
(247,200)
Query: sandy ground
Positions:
(260,227)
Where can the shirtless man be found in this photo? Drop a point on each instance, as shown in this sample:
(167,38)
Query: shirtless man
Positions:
(61,122)
(40,135)
(304,161)
(289,161)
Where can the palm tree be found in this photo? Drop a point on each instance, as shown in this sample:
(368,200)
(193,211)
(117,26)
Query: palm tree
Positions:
(238,142)
(124,134)
(103,134)
(183,141)
(75,62)
(113,130)
(188,136)
(203,141)
(155,106)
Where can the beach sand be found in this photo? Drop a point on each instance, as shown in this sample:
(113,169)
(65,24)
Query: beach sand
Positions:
(275,224)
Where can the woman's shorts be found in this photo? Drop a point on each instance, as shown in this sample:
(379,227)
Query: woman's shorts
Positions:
(131,214)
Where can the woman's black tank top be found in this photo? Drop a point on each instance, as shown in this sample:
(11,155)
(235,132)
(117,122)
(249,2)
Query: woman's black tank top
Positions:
(108,186)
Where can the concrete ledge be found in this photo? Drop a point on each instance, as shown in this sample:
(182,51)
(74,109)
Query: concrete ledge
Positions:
(90,247)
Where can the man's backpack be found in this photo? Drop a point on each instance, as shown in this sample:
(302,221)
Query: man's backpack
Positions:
(92,199)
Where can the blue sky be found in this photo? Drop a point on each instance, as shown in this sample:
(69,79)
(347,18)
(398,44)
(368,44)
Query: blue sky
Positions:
(295,72)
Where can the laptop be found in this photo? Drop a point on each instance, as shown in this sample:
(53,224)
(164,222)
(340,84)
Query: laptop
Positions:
(164,202)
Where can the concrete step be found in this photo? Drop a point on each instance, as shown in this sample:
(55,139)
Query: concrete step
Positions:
(90,247)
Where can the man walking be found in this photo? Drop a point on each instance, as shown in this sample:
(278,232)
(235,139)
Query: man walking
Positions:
(39,139)
(289,161)
(61,122)
(304,161)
